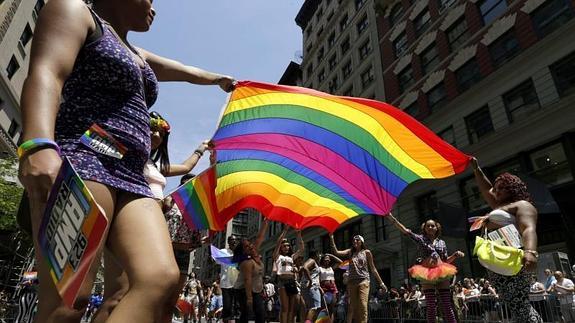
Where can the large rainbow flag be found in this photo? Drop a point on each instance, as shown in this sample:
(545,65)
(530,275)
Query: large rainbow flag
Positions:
(307,158)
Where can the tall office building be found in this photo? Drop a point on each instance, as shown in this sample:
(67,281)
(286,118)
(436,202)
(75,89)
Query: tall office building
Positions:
(17,22)
(495,79)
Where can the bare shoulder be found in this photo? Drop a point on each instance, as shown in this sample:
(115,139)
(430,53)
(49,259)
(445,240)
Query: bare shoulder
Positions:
(68,9)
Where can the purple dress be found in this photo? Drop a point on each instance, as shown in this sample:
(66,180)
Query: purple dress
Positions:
(109,88)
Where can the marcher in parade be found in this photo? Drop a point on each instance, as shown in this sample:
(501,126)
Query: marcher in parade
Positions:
(511,204)
(74,82)
(283,258)
(250,282)
(228,277)
(360,264)
(434,269)
(327,281)
(314,293)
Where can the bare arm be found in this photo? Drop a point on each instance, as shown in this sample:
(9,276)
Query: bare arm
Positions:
(338,253)
(484,184)
(171,70)
(279,243)
(455,255)
(336,260)
(188,164)
(261,234)
(60,33)
(398,224)
(526,216)
(374,270)
(301,248)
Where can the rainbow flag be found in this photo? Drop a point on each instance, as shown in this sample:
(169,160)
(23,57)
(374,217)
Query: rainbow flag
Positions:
(197,202)
(307,158)
(344,265)
(323,317)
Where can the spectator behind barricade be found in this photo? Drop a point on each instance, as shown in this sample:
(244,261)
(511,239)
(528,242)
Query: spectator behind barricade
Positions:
(549,280)
(564,288)
(459,300)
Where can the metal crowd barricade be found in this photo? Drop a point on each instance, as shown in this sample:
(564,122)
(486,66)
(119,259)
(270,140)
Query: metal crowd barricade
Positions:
(486,308)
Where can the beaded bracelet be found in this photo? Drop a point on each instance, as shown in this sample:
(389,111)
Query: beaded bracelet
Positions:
(37,143)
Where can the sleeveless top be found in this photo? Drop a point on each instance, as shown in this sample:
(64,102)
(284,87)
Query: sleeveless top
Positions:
(326,274)
(284,265)
(156,180)
(314,275)
(257,278)
(501,217)
(108,87)
(358,268)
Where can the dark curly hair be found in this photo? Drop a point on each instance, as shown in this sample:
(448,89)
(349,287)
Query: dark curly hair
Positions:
(437,224)
(514,186)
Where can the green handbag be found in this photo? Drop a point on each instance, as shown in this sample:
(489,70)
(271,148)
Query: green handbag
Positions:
(503,260)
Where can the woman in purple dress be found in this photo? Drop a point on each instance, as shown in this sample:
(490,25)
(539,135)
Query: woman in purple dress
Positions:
(84,72)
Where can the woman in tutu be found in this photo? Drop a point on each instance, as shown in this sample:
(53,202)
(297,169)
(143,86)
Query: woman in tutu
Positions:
(433,269)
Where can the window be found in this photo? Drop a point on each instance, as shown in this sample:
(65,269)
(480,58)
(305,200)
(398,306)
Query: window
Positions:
(14,127)
(467,75)
(479,124)
(343,22)
(362,25)
(12,67)
(330,16)
(448,135)
(268,259)
(405,78)
(310,246)
(26,35)
(427,206)
(345,44)
(320,53)
(346,69)
(504,48)
(491,9)
(308,31)
(309,70)
(550,165)
(521,101)
(332,62)
(318,14)
(396,13)
(333,85)
(331,40)
(413,109)
(429,59)
(564,74)
(37,7)
(308,49)
(367,77)
(421,22)
(444,4)
(319,32)
(436,97)
(344,237)
(364,49)
(321,76)
(400,44)
(457,34)
(512,166)
(471,195)
(325,244)
(359,4)
(380,230)
(551,15)
(348,91)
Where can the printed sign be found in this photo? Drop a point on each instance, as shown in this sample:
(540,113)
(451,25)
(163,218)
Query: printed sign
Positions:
(507,235)
(72,229)
(102,142)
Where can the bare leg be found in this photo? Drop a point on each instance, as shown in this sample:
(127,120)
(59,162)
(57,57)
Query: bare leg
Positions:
(169,308)
(140,241)
(284,305)
(116,285)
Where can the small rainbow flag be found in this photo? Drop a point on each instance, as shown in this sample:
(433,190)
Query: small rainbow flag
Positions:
(344,265)
(197,203)
(323,317)
(222,257)
(308,158)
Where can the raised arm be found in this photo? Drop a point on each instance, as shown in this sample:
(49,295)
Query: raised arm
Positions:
(301,248)
(188,164)
(374,270)
(343,254)
(171,70)
(60,33)
(526,216)
(336,260)
(279,243)
(484,184)
(455,255)
(261,234)
(398,224)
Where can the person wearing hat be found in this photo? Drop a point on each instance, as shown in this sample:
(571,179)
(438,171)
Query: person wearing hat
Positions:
(433,268)
(360,264)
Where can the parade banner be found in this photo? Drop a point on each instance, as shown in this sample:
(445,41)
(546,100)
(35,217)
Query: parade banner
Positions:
(71,231)
(308,158)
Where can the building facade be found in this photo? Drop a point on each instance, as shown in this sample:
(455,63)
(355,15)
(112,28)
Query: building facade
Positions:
(17,22)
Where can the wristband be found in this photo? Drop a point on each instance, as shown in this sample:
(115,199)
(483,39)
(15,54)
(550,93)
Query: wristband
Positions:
(35,144)
(533,252)
(199,152)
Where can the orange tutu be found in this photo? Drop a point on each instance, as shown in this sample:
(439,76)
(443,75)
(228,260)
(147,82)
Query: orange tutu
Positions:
(442,271)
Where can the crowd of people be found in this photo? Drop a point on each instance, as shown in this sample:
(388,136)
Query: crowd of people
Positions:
(84,74)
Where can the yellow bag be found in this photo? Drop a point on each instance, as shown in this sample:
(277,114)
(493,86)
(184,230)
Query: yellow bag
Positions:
(503,260)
